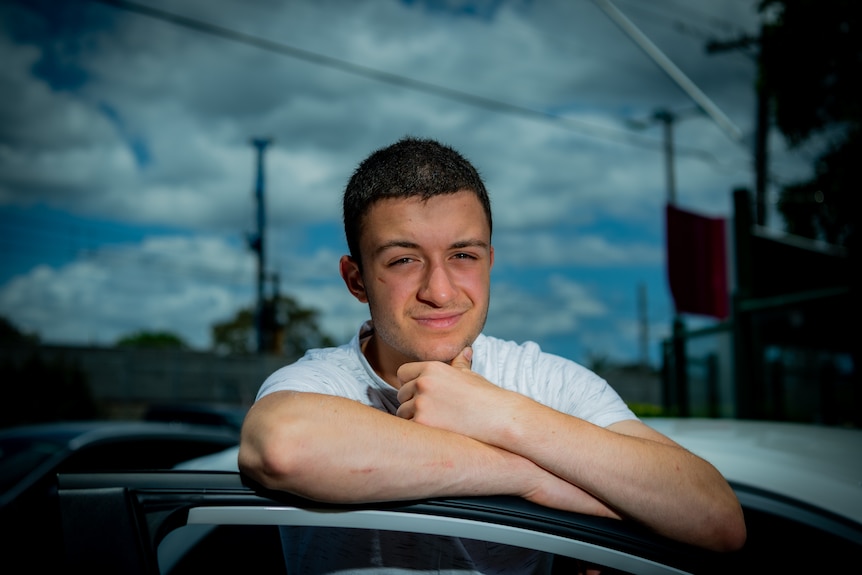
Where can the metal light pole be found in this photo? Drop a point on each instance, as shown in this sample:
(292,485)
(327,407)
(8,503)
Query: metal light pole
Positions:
(677,394)
(258,244)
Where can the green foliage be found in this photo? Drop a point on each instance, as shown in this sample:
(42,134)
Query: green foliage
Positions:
(811,68)
(812,60)
(827,206)
(40,391)
(647,410)
(35,390)
(235,336)
(152,340)
(291,330)
(10,334)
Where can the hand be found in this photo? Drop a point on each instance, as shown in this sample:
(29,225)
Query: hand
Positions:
(453,397)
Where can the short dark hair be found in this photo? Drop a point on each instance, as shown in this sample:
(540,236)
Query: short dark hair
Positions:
(411,167)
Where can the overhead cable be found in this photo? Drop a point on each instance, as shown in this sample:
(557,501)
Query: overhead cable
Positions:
(368,72)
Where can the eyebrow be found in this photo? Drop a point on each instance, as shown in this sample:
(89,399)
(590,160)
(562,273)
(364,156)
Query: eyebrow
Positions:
(413,245)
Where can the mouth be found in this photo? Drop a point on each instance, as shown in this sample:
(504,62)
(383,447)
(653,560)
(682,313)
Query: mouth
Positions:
(439,321)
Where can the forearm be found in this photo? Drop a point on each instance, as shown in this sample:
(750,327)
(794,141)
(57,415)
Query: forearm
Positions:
(635,471)
(337,450)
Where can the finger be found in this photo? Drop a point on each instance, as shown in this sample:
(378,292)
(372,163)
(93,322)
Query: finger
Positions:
(409,371)
(464,359)
(405,392)
(405,410)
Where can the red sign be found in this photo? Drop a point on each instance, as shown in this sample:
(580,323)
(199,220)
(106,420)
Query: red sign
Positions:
(697,263)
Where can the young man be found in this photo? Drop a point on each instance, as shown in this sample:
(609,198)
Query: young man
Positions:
(422,404)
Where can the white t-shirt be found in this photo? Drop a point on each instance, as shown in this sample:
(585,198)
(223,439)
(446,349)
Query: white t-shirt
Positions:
(549,379)
(344,371)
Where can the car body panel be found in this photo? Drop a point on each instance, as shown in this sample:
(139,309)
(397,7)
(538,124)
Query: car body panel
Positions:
(818,465)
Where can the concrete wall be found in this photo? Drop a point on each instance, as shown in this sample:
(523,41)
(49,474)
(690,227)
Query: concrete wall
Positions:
(125,381)
(129,379)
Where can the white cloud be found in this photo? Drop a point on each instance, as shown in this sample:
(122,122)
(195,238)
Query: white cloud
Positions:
(175,284)
(157,133)
(542,249)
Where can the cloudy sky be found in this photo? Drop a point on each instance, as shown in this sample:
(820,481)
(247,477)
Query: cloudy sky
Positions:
(127,174)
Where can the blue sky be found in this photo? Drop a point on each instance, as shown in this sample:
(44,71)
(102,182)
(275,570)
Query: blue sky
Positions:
(127,176)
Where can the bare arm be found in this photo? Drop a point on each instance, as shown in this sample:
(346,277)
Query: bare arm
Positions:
(638,472)
(633,469)
(337,450)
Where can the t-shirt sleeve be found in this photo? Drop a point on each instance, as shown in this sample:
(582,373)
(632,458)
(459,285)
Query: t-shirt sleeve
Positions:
(312,377)
(578,391)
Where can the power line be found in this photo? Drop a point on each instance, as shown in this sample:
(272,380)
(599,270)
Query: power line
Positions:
(683,15)
(585,128)
(667,66)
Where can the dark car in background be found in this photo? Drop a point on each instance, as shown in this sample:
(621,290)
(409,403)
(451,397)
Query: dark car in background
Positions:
(228,416)
(32,456)
(800,487)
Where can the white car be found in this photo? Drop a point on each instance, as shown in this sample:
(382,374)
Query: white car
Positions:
(800,487)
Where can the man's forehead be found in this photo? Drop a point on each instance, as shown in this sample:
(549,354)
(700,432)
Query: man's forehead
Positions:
(420,201)
(396,230)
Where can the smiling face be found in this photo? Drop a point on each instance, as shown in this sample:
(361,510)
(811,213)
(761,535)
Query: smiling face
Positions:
(425,276)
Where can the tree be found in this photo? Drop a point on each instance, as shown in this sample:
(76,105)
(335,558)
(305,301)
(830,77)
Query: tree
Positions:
(34,390)
(292,330)
(811,63)
(152,340)
(39,390)
(10,334)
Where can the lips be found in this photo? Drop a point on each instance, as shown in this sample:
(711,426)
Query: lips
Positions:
(439,321)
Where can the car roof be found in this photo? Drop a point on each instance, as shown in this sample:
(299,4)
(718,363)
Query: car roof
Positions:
(206,414)
(816,464)
(29,452)
(95,428)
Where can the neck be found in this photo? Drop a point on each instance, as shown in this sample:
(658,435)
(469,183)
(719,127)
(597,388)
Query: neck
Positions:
(371,350)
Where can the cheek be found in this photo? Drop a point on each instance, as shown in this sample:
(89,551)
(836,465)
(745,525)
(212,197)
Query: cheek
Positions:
(475,284)
(384,293)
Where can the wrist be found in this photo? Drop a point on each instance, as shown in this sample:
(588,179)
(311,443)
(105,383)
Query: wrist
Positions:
(512,422)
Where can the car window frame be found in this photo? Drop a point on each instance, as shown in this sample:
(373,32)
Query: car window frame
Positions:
(147,506)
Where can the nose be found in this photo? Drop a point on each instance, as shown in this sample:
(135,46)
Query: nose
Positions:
(437,287)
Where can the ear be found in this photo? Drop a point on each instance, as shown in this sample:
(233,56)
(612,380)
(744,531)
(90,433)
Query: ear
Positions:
(491,253)
(352,277)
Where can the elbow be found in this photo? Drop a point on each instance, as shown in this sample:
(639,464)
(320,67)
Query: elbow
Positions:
(735,538)
(729,533)
(265,461)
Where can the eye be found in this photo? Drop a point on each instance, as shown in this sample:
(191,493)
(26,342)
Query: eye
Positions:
(464,256)
(400,261)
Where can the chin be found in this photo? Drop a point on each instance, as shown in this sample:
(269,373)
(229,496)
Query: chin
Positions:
(444,352)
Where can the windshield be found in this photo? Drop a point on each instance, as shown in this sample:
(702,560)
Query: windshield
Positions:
(20,455)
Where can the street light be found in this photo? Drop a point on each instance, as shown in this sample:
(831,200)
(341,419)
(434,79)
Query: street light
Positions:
(667,118)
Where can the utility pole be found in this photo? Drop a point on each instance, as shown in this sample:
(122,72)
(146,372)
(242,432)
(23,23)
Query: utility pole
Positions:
(676,390)
(274,319)
(257,244)
(644,324)
(762,116)
(667,118)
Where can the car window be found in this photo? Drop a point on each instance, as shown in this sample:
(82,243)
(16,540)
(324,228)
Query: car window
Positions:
(139,454)
(198,549)
(21,455)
